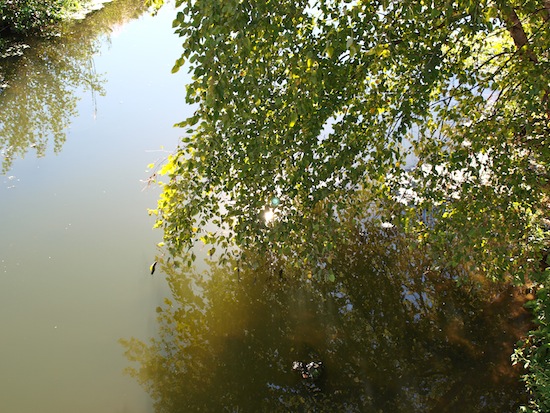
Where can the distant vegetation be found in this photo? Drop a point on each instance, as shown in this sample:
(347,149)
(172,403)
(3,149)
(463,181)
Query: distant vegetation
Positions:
(23,17)
(20,18)
(40,79)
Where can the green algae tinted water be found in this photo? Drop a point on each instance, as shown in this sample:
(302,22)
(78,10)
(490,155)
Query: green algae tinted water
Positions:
(81,118)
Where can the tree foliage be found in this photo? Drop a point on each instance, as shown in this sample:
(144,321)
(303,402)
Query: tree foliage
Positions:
(433,117)
(25,17)
(320,109)
(532,352)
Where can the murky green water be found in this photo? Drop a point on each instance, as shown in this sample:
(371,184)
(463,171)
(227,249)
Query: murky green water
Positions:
(82,117)
(76,241)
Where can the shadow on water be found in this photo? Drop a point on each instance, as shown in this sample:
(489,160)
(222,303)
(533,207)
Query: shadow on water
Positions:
(40,80)
(393,333)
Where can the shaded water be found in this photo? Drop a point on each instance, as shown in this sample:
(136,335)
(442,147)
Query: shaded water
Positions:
(394,335)
(95,105)
(83,116)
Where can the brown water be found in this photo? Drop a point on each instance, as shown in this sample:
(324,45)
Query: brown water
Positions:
(393,334)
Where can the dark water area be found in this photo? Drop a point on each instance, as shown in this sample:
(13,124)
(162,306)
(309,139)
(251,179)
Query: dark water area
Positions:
(393,334)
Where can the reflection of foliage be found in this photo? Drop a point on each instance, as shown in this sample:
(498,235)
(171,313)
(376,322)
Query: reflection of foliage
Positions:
(38,92)
(394,333)
(40,101)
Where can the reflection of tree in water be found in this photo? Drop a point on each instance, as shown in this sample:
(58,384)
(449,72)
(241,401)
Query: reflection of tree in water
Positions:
(394,334)
(38,89)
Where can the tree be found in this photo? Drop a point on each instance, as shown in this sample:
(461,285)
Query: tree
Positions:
(432,117)
(428,116)
(32,17)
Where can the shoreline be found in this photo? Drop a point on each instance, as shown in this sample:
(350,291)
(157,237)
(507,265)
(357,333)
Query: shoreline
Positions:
(87,8)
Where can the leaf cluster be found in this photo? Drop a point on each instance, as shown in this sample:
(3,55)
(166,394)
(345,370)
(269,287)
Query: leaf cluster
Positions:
(28,17)
(328,105)
(533,352)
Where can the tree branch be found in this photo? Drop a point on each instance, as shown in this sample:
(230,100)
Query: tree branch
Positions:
(518,34)
(546,4)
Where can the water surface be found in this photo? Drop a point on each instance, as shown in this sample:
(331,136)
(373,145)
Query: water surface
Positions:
(394,334)
(83,116)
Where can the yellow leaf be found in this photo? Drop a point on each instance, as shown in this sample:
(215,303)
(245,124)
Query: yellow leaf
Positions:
(169,167)
(293,119)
